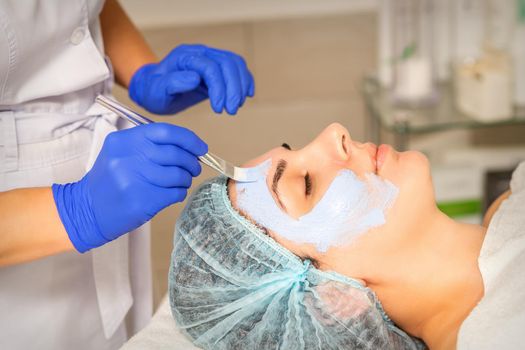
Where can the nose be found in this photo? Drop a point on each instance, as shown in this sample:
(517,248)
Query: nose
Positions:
(334,142)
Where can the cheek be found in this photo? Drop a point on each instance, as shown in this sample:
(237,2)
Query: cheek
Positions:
(416,171)
(300,249)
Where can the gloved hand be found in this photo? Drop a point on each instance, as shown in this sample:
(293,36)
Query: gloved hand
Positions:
(188,75)
(138,172)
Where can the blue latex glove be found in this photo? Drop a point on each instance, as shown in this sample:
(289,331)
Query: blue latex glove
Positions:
(138,172)
(188,75)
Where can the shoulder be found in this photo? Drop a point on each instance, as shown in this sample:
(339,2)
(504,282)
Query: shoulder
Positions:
(517,183)
(517,187)
(494,207)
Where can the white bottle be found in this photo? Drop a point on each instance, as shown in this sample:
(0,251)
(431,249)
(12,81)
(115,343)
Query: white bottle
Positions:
(414,79)
(414,52)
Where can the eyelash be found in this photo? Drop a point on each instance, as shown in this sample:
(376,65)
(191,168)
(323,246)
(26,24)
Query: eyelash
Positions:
(307,178)
(307,184)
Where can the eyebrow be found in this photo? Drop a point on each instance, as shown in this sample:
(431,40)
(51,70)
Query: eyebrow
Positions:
(279,170)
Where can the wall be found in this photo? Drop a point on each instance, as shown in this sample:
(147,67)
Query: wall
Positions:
(166,13)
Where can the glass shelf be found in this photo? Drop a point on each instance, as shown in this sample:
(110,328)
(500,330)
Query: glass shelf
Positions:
(404,121)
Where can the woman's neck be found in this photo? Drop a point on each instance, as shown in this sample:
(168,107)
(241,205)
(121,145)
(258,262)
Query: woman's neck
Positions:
(425,274)
(447,283)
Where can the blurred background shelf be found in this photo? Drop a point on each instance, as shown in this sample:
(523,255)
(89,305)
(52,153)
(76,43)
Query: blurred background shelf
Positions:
(403,121)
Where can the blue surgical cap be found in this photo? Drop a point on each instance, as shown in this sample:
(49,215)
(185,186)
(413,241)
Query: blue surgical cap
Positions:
(233,287)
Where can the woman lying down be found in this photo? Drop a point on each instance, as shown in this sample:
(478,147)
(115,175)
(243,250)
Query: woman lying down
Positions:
(340,245)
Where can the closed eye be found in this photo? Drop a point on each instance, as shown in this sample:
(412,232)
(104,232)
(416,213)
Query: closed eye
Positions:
(307,177)
(307,184)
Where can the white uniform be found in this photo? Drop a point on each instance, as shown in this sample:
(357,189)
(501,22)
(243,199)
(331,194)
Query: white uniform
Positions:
(51,68)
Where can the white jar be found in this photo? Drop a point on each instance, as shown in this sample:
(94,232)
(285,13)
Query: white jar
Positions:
(484,87)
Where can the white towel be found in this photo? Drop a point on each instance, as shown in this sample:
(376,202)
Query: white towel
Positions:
(498,321)
(161,333)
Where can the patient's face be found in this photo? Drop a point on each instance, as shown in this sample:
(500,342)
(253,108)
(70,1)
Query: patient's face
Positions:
(308,173)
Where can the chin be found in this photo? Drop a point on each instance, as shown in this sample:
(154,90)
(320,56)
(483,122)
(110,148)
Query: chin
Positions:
(406,167)
(415,168)
(414,158)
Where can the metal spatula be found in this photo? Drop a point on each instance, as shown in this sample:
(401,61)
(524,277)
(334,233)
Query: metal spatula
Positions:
(216,163)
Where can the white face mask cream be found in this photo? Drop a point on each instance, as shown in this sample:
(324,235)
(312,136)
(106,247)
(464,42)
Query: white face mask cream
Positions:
(351,206)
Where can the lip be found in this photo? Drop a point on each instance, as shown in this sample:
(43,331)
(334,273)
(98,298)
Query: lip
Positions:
(382,152)
(372,150)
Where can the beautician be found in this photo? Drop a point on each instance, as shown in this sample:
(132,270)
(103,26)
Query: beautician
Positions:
(70,182)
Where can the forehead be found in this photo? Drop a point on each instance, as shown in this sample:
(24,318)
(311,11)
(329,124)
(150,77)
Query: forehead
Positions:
(270,154)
